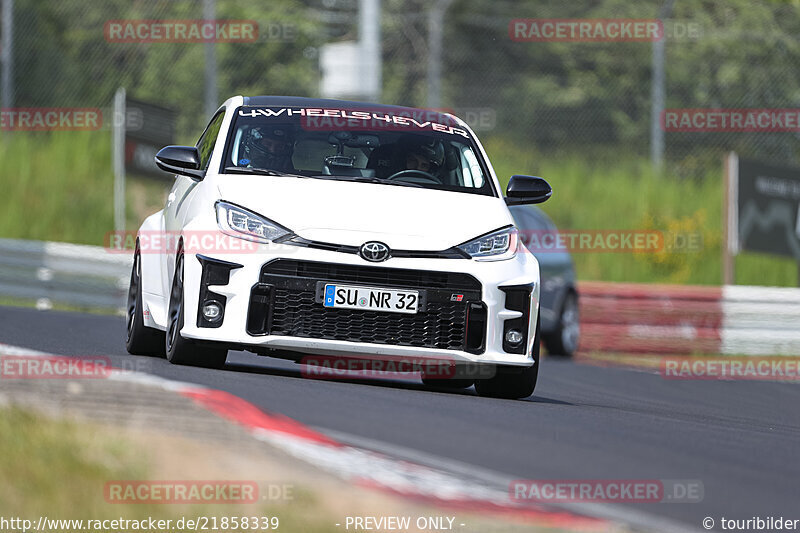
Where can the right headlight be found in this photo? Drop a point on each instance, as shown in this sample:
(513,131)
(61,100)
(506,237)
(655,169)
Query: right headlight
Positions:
(495,246)
(239,222)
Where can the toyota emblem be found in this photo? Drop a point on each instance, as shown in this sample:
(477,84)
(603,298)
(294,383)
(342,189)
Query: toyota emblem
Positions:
(374,251)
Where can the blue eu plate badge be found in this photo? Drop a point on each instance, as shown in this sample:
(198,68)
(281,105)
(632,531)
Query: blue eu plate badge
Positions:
(330,291)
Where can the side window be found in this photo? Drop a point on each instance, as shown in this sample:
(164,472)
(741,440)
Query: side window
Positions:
(471,170)
(206,143)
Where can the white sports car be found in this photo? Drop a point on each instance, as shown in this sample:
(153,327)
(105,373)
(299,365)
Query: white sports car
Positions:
(300,227)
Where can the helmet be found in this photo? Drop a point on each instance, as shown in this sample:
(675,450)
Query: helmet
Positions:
(430,150)
(268,141)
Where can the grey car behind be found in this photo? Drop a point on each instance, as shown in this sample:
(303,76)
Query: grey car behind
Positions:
(559,295)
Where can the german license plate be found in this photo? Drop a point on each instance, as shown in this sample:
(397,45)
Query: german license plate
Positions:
(371,299)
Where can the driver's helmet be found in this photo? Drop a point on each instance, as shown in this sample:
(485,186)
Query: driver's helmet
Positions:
(268,146)
(422,153)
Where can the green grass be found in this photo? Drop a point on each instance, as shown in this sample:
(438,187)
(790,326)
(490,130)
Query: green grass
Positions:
(54,467)
(59,186)
(56,186)
(59,469)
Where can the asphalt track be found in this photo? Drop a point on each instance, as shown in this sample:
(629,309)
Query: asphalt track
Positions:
(741,439)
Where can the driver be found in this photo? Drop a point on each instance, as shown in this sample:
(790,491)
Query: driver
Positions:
(425,155)
(268,147)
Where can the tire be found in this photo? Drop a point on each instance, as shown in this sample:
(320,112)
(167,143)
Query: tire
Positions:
(181,351)
(512,383)
(140,339)
(565,339)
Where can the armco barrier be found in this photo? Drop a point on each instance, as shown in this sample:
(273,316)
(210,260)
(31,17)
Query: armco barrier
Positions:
(760,320)
(86,277)
(677,319)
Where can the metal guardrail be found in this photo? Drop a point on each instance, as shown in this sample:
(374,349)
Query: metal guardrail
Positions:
(87,277)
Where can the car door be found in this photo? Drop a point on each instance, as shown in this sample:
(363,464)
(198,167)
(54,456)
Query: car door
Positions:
(179,198)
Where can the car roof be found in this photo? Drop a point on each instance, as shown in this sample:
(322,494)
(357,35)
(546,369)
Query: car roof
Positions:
(299,101)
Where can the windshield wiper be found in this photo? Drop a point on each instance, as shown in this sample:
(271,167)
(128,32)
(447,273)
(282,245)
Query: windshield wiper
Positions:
(261,172)
(382,181)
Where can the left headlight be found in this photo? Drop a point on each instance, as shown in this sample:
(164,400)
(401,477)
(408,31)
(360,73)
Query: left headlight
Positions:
(501,244)
(239,222)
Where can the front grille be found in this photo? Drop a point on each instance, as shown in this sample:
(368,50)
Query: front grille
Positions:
(295,307)
(381,277)
(297,314)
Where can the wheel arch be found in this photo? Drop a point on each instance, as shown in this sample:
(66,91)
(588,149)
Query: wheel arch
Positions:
(149,240)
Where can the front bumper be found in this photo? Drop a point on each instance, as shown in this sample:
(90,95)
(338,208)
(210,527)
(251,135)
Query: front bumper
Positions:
(431,334)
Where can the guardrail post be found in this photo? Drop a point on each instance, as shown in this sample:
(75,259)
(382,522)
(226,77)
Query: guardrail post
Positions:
(118,158)
(730,216)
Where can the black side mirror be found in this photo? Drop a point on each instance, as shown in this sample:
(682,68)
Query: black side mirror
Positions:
(184,160)
(527,190)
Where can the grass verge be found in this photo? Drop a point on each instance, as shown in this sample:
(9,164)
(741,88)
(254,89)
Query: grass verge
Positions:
(59,469)
(60,186)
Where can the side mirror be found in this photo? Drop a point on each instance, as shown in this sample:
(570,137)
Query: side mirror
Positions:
(527,190)
(184,160)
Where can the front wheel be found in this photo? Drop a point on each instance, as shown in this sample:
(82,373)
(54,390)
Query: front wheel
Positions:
(140,340)
(181,351)
(512,382)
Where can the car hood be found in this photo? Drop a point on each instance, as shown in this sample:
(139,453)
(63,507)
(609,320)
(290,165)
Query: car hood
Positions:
(405,218)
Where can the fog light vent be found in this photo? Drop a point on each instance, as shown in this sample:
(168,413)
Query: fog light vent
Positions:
(212,311)
(514,337)
(515,330)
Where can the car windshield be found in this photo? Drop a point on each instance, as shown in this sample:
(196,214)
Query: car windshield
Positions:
(428,150)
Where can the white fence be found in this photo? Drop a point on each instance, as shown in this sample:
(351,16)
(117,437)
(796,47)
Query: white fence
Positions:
(760,320)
